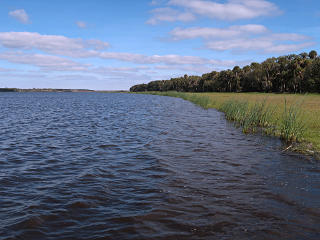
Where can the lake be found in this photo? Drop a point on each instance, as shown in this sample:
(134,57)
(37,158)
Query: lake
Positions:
(126,166)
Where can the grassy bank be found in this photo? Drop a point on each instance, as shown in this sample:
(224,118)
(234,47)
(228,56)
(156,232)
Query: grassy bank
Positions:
(293,117)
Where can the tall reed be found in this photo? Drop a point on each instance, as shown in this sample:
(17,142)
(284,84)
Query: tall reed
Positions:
(292,126)
(261,115)
(248,117)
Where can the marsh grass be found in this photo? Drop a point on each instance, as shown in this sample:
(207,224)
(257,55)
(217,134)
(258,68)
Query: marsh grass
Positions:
(249,117)
(260,115)
(201,101)
(292,126)
(235,110)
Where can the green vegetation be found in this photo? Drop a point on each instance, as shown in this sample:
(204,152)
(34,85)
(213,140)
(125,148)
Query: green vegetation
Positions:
(295,118)
(292,126)
(286,74)
(249,117)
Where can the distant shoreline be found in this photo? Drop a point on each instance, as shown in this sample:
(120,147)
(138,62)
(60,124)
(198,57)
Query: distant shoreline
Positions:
(56,90)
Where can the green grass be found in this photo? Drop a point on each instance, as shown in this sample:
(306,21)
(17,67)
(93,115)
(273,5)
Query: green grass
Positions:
(295,118)
(249,117)
(292,125)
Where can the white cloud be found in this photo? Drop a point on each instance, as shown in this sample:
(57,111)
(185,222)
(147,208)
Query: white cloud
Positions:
(129,70)
(207,33)
(231,10)
(20,15)
(50,67)
(96,44)
(169,15)
(53,44)
(76,77)
(157,2)
(285,48)
(171,62)
(81,24)
(25,47)
(287,37)
(250,37)
(189,68)
(79,48)
(188,10)
(6,69)
(46,62)
(164,59)
(244,38)
(263,45)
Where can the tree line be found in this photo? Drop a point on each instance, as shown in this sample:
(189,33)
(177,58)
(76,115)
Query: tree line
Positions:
(285,74)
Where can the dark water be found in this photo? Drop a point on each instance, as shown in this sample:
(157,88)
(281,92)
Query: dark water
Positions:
(120,166)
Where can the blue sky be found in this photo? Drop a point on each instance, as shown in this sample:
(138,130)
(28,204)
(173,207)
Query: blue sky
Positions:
(113,45)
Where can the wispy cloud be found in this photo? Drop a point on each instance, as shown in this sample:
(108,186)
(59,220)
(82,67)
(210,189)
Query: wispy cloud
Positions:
(46,62)
(189,68)
(211,33)
(53,54)
(53,44)
(157,2)
(6,69)
(51,67)
(164,59)
(49,64)
(262,45)
(129,70)
(20,15)
(169,15)
(232,10)
(80,48)
(81,24)
(188,10)
(244,38)
(279,43)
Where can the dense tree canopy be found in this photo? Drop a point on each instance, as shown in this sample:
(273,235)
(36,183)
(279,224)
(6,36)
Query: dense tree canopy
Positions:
(292,73)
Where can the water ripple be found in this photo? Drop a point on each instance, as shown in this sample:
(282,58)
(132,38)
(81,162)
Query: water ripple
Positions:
(120,166)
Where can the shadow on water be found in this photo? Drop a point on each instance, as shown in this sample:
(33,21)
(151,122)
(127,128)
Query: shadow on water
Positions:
(121,166)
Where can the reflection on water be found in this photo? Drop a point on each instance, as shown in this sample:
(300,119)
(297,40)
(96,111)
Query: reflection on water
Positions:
(121,166)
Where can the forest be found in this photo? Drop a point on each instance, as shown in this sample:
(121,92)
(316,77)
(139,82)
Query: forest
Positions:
(285,74)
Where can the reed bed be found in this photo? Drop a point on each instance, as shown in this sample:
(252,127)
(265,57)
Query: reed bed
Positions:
(260,115)
(250,118)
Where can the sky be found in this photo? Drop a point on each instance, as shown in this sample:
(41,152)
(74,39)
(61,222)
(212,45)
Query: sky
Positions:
(112,45)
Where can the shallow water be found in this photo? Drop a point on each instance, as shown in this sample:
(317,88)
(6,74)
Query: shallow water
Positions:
(121,166)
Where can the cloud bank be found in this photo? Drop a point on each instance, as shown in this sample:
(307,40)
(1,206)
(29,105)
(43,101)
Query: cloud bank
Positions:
(241,38)
(80,48)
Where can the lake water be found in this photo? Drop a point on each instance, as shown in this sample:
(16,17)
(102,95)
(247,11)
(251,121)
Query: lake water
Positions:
(121,166)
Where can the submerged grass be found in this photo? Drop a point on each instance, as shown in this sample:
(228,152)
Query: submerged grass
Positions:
(295,118)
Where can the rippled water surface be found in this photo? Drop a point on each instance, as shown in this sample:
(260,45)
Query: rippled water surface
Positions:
(121,166)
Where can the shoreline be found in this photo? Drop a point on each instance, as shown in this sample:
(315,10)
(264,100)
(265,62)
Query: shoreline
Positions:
(307,144)
(6,90)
